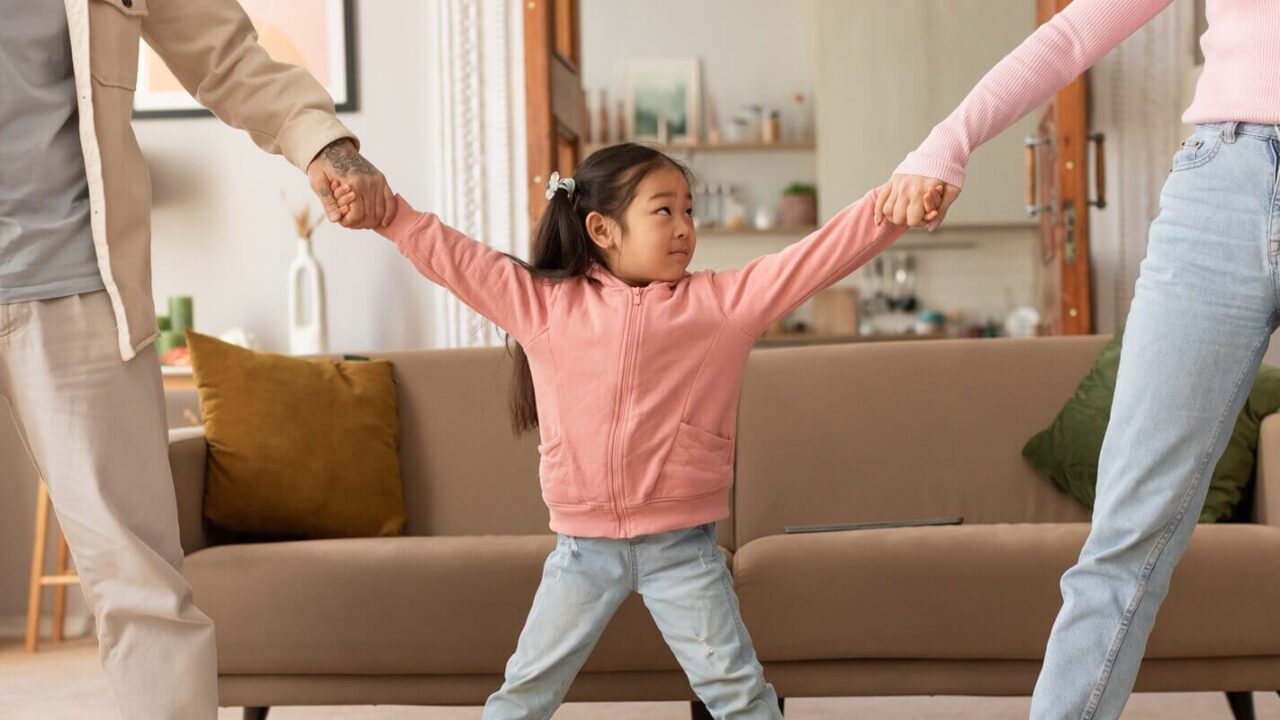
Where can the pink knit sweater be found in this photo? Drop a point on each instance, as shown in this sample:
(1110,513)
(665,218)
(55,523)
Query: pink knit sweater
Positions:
(1241,79)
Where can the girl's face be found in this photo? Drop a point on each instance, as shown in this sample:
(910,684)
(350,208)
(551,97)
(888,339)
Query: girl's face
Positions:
(658,239)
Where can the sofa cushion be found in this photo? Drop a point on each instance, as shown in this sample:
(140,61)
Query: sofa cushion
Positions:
(1067,451)
(391,606)
(988,592)
(298,448)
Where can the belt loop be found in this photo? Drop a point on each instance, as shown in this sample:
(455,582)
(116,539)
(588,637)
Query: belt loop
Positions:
(1229,132)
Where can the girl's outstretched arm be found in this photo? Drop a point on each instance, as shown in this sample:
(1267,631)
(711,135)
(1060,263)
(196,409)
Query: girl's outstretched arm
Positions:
(771,286)
(491,283)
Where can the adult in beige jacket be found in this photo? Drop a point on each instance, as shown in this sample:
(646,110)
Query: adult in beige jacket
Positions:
(76,311)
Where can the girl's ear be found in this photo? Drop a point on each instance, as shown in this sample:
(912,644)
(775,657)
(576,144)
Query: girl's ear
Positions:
(601,230)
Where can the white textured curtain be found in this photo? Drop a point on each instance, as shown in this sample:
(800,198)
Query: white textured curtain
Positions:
(482,153)
(1139,93)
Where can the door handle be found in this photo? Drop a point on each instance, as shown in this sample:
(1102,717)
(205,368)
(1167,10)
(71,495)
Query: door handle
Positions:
(1033,143)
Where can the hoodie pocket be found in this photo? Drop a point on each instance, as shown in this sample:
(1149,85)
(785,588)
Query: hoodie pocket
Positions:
(699,463)
(554,474)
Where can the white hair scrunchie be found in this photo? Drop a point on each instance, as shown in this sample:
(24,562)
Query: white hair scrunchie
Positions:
(556,183)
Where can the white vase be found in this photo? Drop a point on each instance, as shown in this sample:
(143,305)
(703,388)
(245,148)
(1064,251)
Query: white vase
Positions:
(308,318)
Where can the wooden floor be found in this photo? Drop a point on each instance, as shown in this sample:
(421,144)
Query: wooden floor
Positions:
(65,683)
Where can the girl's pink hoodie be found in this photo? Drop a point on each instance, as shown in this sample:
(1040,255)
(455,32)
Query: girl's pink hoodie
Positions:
(637,387)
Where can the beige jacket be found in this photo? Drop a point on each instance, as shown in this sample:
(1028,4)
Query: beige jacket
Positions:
(212,48)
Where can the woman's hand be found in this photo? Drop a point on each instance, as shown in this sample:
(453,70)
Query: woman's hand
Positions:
(915,201)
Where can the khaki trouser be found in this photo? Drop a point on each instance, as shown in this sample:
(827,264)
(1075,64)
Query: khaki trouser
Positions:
(95,428)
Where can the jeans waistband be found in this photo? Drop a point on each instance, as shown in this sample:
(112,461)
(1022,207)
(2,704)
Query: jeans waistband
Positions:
(1232,130)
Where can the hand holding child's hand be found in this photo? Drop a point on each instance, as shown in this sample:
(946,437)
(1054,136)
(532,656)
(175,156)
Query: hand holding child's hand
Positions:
(341,162)
(354,212)
(915,201)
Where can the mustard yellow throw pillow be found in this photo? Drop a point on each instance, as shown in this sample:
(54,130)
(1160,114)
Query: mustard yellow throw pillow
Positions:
(298,448)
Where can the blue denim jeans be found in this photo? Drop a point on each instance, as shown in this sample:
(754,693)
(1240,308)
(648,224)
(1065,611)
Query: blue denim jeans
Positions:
(687,588)
(1203,310)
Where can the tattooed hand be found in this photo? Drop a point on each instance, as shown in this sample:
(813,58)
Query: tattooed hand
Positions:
(373,203)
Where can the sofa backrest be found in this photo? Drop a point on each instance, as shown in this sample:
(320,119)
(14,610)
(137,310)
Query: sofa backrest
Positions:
(902,431)
(464,471)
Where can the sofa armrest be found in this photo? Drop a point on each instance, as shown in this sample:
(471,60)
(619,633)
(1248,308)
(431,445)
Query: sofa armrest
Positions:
(188,458)
(1266,493)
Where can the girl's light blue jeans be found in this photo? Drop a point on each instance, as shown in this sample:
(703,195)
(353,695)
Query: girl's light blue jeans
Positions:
(687,588)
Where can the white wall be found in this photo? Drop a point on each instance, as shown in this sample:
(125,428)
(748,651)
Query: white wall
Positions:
(222,235)
(752,52)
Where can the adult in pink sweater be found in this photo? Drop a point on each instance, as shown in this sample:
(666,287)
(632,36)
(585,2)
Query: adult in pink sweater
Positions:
(1203,310)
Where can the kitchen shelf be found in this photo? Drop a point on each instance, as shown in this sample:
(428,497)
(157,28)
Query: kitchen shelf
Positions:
(796,233)
(692,149)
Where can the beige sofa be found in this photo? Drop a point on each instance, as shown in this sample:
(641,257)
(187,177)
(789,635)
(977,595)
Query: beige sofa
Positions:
(876,432)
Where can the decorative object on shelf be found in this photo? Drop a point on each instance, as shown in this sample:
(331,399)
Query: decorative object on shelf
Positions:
(799,206)
(771,128)
(904,283)
(173,328)
(734,215)
(764,218)
(754,115)
(801,122)
(713,122)
(1022,322)
(706,207)
(835,311)
(319,38)
(620,117)
(931,322)
(668,88)
(308,316)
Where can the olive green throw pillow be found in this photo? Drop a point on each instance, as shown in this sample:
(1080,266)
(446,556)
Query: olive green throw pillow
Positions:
(1067,452)
(298,448)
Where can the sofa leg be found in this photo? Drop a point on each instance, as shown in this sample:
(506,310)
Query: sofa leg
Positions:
(256,713)
(698,711)
(1241,704)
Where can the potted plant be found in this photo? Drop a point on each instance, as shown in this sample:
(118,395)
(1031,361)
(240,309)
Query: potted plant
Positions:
(799,206)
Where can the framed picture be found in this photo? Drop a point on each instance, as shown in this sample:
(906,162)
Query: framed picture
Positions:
(319,35)
(664,99)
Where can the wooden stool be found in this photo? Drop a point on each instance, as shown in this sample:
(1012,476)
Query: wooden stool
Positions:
(59,580)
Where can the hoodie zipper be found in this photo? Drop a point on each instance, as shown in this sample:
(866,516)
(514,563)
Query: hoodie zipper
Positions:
(631,330)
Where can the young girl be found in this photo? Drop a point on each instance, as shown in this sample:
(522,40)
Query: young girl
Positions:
(629,366)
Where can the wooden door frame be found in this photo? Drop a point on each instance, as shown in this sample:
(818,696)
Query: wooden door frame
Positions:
(1065,223)
(555,112)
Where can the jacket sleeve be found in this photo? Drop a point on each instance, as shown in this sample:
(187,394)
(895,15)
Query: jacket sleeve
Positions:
(212,48)
(771,286)
(1047,61)
(489,282)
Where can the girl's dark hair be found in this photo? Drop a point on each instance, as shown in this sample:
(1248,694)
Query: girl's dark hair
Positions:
(606,183)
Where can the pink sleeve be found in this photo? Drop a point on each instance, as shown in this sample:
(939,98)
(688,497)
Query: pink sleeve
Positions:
(486,280)
(773,285)
(1047,61)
